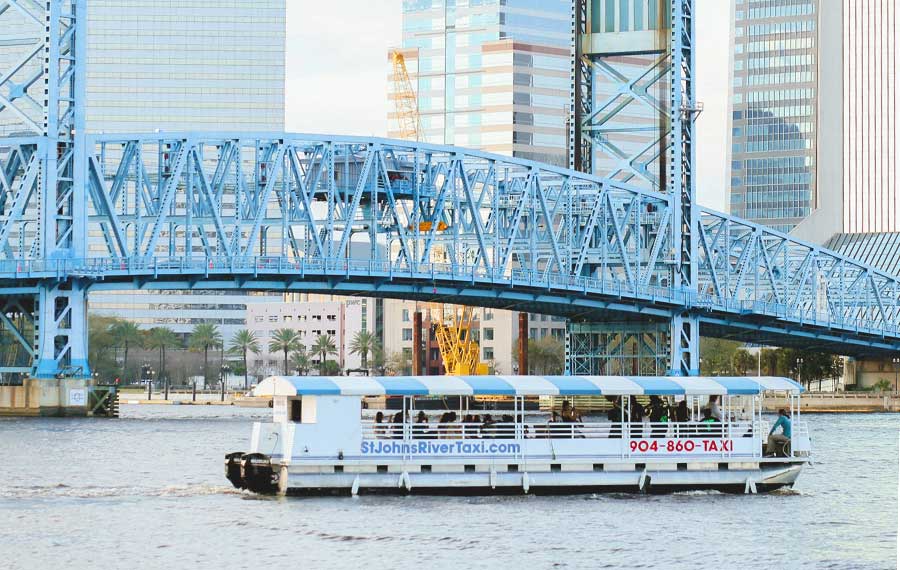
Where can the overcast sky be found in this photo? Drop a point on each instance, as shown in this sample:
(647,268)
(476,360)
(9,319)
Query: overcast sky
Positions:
(337,75)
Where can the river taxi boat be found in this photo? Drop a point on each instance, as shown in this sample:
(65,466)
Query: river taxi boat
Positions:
(323,440)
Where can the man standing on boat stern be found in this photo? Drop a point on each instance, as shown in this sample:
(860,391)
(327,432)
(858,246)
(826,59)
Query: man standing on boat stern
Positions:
(778,440)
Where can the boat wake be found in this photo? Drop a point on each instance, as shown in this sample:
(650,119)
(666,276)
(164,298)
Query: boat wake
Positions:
(62,490)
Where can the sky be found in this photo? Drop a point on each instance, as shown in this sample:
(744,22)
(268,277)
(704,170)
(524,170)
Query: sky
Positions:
(336,76)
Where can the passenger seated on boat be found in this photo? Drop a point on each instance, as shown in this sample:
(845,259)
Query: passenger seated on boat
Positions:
(659,414)
(468,430)
(569,414)
(420,429)
(488,427)
(397,427)
(682,415)
(778,442)
(379,425)
(710,425)
(615,416)
(714,409)
(637,417)
(506,429)
(450,431)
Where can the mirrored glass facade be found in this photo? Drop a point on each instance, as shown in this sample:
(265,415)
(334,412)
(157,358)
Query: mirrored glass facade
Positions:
(774,83)
(201,65)
(490,74)
(190,64)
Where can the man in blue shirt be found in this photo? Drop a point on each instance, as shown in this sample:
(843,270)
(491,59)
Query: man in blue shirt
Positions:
(777,441)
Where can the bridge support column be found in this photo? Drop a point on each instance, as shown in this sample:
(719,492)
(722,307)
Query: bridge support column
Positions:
(417,344)
(523,343)
(685,344)
(62,332)
(625,348)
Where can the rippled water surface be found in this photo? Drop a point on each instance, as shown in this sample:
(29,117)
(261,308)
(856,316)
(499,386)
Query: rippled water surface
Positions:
(148,491)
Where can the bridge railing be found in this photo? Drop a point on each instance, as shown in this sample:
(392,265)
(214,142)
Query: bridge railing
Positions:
(476,275)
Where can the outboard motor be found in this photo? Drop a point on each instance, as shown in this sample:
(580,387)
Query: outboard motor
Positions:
(257,473)
(233,469)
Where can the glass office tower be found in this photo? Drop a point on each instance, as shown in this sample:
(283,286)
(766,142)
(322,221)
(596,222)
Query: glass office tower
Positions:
(490,74)
(191,65)
(774,133)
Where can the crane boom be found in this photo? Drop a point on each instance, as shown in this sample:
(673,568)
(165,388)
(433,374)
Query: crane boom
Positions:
(405,100)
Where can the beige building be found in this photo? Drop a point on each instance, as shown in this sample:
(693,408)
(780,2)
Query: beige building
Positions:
(495,330)
(338,317)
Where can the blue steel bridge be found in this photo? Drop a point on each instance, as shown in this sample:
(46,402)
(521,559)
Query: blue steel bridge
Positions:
(385,218)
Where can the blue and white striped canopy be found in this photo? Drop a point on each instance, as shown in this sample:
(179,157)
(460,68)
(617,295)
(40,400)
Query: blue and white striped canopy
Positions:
(521,385)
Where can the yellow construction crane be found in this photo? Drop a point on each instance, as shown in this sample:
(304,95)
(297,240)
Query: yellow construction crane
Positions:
(405,101)
(458,350)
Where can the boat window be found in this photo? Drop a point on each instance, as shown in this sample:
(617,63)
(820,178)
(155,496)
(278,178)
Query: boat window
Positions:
(296,410)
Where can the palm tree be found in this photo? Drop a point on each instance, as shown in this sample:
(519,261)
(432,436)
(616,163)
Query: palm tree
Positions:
(363,342)
(161,338)
(204,337)
(324,346)
(243,341)
(125,334)
(300,360)
(286,341)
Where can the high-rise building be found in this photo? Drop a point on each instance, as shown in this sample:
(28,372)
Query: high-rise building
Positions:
(775,132)
(175,66)
(491,75)
(815,125)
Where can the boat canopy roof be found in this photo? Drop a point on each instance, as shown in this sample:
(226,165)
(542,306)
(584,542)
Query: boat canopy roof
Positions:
(521,385)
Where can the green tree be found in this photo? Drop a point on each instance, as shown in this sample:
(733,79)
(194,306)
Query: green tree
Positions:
(362,344)
(378,359)
(285,341)
(331,368)
(545,356)
(742,362)
(204,337)
(242,342)
(323,346)
(300,361)
(126,334)
(100,346)
(161,338)
(717,356)
(398,363)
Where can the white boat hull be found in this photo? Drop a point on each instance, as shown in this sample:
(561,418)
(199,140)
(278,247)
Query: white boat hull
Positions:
(453,479)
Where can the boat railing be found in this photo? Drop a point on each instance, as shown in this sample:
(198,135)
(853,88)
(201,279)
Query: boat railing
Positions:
(561,430)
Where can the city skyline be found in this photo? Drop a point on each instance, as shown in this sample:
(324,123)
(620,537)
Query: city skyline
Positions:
(323,93)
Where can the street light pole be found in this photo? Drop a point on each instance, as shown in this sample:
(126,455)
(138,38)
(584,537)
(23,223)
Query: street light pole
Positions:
(896,362)
(800,371)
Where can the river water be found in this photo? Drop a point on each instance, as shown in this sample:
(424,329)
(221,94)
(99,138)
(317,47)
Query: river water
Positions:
(148,491)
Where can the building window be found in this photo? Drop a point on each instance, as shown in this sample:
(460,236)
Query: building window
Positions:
(488,315)
(532,333)
(288,318)
(273,318)
(332,332)
(258,319)
(488,353)
(405,315)
(332,318)
(407,334)
(488,334)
